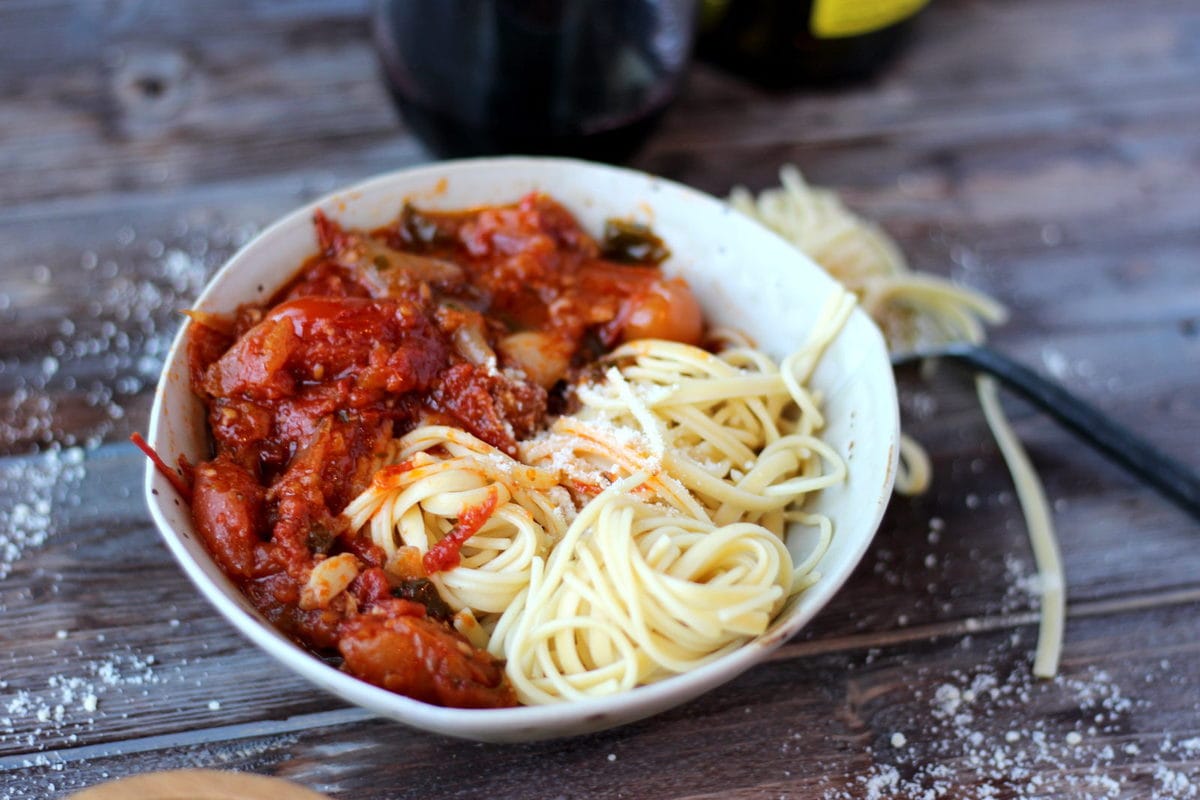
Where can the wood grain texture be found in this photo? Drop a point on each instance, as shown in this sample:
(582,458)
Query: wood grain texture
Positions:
(1044,152)
(198,784)
(804,724)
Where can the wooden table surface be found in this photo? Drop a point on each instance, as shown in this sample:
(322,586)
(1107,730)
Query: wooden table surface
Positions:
(1045,151)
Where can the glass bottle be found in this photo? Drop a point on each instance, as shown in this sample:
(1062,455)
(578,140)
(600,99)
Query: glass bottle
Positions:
(784,43)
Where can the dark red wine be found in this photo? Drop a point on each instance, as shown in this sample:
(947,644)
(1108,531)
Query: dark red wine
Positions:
(587,78)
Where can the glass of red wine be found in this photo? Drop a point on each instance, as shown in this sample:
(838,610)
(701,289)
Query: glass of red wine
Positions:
(586,78)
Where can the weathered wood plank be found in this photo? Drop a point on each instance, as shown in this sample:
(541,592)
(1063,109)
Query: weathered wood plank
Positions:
(77,273)
(137,149)
(981,189)
(101,575)
(209,235)
(162,103)
(820,726)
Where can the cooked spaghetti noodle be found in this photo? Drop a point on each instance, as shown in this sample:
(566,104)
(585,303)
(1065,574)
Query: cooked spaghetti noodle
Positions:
(684,470)
(635,592)
(416,439)
(417,504)
(912,308)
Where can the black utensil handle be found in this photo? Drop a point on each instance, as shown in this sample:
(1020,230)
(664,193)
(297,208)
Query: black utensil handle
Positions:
(1172,479)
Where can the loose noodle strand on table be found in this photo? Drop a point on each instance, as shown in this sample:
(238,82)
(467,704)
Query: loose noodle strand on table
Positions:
(912,308)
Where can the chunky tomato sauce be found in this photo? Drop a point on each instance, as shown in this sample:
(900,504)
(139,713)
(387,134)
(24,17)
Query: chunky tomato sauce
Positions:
(475,319)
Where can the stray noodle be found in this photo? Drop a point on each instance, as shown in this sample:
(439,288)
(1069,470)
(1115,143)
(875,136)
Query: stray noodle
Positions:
(912,308)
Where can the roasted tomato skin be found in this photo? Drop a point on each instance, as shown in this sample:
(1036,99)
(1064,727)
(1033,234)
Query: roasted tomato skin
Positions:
(665,309)
(228,506)
(477,319)
(424,659)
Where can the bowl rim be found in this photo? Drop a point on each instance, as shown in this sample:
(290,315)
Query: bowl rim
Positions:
(520,723)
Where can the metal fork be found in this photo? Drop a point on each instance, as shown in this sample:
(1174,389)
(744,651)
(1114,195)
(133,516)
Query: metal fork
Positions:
(1176,481)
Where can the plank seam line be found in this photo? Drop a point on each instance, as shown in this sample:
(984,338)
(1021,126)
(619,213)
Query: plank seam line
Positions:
(202,736)
(346,716)
(975,625)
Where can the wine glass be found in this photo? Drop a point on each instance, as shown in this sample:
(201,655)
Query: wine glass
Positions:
(587,78)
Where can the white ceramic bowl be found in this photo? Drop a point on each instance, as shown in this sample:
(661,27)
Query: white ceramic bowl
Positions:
(744,276)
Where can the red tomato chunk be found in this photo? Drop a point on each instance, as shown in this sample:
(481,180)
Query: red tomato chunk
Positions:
(476,319)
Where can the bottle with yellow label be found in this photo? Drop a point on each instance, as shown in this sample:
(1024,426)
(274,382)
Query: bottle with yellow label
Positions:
(782,43)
